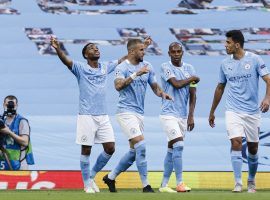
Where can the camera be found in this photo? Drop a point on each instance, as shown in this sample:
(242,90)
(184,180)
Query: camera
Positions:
(10,108)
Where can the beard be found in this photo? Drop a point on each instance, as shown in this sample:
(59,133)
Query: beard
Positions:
(140,59)
(95,58)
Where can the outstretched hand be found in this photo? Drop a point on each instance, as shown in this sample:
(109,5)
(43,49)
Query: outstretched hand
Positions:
(147,42)
(54,43)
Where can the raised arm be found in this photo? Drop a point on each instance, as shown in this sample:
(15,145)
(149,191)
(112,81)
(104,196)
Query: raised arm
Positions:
(159,92)
(63,57)
(182,83)
(192,103)
(266,101)
(217,97)
(122,59)
(121,83)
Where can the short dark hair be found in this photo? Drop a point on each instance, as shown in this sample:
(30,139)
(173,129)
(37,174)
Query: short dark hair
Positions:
(132,42)
(174,44)
(237,36)
(11,97)
(85,47)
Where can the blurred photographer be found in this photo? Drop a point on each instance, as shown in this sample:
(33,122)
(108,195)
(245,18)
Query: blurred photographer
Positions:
(16,150)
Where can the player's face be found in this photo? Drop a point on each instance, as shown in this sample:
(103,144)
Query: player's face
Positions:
(176,53)
(231,46)
(92,52)
(139,52)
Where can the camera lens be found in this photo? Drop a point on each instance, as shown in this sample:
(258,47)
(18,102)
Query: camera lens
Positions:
(10,105)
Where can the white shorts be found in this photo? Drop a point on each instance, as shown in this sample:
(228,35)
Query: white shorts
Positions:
(94,129)
(131,124)
(174,127)
(243,125)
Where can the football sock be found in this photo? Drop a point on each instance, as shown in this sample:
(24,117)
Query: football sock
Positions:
(125,162)
(236,159)
(177,160)
(85,170)
(102,160)
(141,161)
(168,168)
(252,166)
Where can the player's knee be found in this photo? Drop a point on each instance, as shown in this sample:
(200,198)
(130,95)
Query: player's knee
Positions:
(85,150)
(236,144)
(253,150)
(109,150)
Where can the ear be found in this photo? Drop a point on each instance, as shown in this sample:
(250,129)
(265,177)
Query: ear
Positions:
(132,51)
(237,45)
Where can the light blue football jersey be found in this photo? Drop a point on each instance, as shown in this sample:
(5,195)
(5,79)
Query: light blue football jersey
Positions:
(242,78)
(177,107)
(92,85)
(131,98)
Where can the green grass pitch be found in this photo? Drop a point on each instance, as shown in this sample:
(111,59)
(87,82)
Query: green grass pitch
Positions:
(129,195)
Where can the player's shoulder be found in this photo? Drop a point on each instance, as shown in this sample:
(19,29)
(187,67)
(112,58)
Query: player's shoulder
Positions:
(227,59)
(187,65)
(78,64)
(252,55)
(123,64)
(166,65)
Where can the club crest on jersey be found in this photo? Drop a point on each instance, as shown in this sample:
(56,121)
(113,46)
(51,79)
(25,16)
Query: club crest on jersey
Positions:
(168,73)
(133,131)
(173,132)
(102,71)
(84,138)
(247,66)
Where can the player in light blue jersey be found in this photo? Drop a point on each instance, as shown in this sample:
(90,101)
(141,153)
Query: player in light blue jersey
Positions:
(93,124)
(131,78)
(241,71)
(178,79)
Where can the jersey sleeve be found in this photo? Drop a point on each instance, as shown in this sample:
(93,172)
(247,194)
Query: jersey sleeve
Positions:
(76,68)
(166,72)
(261,67)
(222,77)
(119,72)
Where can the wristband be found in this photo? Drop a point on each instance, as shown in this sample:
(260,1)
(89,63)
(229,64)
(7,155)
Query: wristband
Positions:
(133,76)
(193,84)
